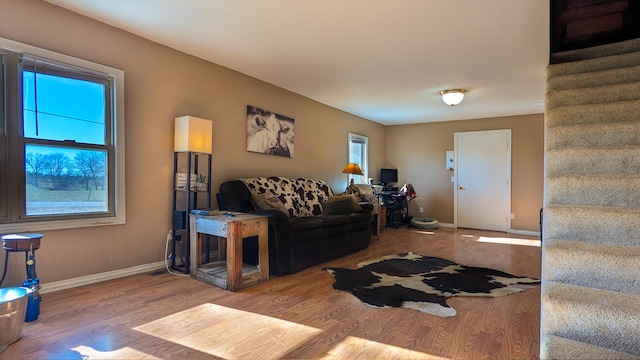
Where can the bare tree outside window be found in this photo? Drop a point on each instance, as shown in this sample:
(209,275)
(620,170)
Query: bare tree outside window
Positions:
(35,165)
(57,166)
(65,180)
(90,166)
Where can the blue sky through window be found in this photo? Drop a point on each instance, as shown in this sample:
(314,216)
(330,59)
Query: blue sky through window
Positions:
(68,109)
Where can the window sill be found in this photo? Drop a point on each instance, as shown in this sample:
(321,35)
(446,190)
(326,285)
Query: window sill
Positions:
(36,226)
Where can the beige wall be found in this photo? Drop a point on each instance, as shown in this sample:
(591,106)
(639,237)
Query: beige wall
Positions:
(161,84)
(418,151)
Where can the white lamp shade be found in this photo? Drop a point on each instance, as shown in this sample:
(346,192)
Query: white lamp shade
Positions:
(452,97)
(193,134)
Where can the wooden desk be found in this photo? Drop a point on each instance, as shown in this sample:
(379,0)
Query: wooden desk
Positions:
(231,274)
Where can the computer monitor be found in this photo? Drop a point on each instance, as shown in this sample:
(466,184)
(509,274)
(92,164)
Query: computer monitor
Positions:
(388,176)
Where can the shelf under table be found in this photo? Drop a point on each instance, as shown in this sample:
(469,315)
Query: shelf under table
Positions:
(215,273)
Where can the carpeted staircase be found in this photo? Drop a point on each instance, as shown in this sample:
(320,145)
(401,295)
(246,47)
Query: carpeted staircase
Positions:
(591,220)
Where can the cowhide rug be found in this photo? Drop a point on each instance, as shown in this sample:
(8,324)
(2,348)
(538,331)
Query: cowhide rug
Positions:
(424,283)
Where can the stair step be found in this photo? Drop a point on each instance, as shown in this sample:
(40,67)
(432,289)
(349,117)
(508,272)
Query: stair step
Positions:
(592,65)
(620,111)
(596,190)
(593,135)
(605,318)
(604,225)
(593,95)
(597,78)
(556,347)
(593,161)
(564,261)
(622,47)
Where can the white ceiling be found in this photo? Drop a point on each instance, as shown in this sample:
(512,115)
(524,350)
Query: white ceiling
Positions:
(379,59)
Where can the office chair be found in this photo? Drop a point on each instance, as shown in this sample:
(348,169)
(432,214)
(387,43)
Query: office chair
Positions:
(397,204)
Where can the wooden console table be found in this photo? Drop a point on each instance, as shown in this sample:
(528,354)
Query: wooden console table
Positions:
(230,274)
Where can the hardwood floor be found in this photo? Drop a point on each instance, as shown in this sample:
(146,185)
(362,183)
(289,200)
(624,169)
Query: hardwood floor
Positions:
(298,316)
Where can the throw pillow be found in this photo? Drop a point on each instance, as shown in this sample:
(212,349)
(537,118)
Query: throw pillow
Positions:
(343,197)
(269,202)
(341,204)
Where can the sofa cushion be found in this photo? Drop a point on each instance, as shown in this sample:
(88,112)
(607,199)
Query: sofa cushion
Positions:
(305,223)
(340,231)
(334,219)
(306,237)
(359,217)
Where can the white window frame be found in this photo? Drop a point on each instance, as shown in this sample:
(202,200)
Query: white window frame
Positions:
(356,139)
(119,215)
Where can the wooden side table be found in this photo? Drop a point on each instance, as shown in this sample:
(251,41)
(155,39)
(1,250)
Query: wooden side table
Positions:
(376,220)
(230,274)
(383,216)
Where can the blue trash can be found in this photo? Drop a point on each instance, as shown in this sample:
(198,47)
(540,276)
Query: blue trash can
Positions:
(13,308)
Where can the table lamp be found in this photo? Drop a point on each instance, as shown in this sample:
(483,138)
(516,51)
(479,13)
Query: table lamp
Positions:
(352,169)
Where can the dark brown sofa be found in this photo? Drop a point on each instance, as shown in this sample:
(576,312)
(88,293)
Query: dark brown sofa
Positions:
(308,225)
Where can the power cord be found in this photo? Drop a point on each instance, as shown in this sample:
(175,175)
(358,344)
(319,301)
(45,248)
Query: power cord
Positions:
(166,257)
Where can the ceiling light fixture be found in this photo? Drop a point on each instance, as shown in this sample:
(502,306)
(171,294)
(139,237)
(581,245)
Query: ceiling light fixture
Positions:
(452,97)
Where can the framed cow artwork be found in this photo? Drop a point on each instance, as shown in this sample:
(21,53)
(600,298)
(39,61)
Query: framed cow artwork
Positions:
(269,133)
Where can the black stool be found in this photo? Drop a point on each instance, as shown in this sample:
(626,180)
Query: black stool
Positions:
(28,243)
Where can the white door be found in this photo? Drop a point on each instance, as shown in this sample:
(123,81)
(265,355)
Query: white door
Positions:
(483,180)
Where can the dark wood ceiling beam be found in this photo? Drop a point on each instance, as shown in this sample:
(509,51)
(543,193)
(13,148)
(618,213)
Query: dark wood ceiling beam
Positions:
(594,10)
(577,24)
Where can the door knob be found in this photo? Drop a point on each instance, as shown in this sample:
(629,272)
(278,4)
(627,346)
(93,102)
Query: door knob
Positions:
(461,188)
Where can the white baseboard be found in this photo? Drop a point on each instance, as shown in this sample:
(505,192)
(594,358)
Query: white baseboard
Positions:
(447,225)
(524,232)
(95,278)
(510,231)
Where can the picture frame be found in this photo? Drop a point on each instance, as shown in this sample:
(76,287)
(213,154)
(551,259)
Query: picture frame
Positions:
(269,133)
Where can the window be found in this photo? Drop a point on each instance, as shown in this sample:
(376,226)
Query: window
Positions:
(60,140)
(358,150)
(3,144)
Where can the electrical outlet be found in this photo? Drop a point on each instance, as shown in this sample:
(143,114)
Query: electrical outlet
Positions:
(512,216)
(421,209)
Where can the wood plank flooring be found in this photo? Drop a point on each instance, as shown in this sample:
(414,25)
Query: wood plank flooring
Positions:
(298,316)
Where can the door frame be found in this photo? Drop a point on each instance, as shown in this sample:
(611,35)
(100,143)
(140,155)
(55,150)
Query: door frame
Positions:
(507,132)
